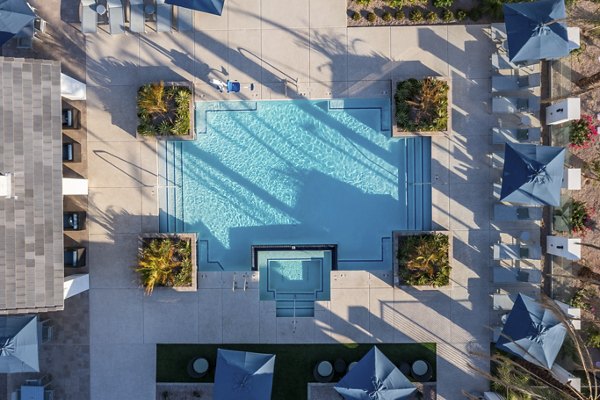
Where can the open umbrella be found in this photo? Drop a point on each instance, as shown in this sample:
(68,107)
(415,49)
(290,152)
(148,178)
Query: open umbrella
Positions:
(14,16)
(532,174)
(19,344)
(208,6)
(243,375)
(375,377)
(536,30)
(532,332)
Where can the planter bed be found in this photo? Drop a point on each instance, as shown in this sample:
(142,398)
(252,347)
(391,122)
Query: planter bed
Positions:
(406,246)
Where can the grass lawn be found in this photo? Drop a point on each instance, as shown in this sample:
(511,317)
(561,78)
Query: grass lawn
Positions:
(293,363)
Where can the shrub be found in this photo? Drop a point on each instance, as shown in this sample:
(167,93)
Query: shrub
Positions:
(461,15)
(387,17)
(422,105)
(163,110)
(447,16)
(165,262)
(395,3)
(582,132)
(475,14)
(593,338)
(579,219)
(443,3)
(371,17)
(581,299)
(356,16)
(424,259)
(416,15)
(431,16)
(364,3)
(493,8)
(399,15)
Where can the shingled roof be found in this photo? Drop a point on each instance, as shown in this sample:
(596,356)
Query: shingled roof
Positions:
(31,236)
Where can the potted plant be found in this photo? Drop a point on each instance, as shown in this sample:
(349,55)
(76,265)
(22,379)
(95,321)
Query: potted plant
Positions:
(421,107)
(422,259)
(167,260)
(165,110)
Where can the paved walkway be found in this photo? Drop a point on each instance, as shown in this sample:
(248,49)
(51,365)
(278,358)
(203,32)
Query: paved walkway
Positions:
(288,49)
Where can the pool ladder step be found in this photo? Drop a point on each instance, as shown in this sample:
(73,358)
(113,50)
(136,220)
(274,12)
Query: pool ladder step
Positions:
(299,308)
(415,159)
(170,193)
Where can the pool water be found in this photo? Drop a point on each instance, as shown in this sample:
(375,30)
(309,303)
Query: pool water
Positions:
(295,172)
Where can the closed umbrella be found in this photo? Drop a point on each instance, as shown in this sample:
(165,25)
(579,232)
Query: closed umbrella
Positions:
(375,377)
(14,16)
(536,30)
(532,332)
(243,375)
(208,6)
(19,344)
(532,174)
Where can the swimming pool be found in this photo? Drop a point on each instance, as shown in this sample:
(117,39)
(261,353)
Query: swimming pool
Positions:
(295,172)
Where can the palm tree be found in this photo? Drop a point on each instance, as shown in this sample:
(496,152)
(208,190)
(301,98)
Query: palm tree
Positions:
(157,264)
(151,98)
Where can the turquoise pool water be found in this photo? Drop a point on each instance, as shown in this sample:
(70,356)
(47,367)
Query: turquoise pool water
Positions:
(295,172)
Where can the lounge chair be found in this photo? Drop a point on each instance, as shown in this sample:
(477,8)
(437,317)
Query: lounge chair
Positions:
(164,16)
(497,159)
(505,251)
(185,19)
(89,16)
(501,61)
(516,135)
(506,83)
(498,32)
(137,21)
(514,105)
(503,301)
(504,274)
(505,212)
(116,19)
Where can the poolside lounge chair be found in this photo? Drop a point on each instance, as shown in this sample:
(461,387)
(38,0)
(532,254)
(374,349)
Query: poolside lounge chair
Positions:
(503,301)
(506,83)
(116,19)
(185,19)
(504,274)
(516,135)
(514,105)
(498,32)
(137,21)
(497,159)
(505,212)
(505,251)
(89,16)
(164,16)
(501,61)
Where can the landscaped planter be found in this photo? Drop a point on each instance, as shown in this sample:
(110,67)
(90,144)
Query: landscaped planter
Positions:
(166,110)
(182,274)
(405,249)
(421,107)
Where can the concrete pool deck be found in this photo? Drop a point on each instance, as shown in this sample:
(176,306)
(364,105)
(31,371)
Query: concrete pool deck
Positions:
(309,43)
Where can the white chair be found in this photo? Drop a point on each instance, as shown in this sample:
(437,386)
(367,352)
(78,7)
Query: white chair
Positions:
(505,212)
(137,21)
(513,83)
(516,135)
(164,16)
(89,16)
(515,105)
(506,251)
(116,18)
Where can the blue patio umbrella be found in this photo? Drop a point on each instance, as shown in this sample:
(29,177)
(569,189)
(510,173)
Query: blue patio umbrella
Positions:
(208,6)
(375,377)
(14,16)
(532,174)
(536,30)
(532,332)
(19,344)
(243,375)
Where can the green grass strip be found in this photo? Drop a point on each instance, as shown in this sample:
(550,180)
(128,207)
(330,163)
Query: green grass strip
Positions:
(294,363)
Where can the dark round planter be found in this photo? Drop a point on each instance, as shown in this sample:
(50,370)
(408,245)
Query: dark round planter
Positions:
(323,371)
(198,367)
(339,366)
(421,371)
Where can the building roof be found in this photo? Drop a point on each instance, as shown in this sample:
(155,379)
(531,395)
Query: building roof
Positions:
(31,235)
